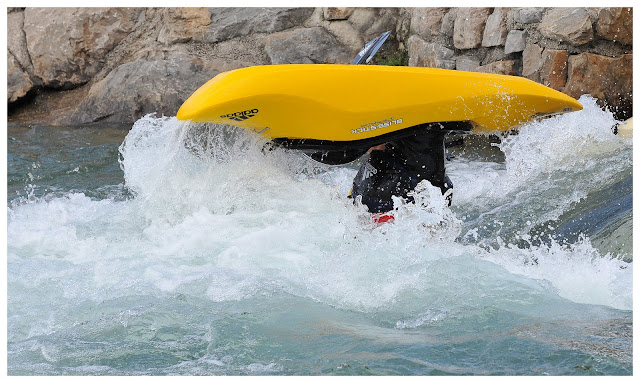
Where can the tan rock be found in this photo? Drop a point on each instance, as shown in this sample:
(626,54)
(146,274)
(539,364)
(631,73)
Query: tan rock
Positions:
(19,83)
(362,18)
(346,34)
(616,24)
(16,39)
(337,13)
(469,26)
(572,25)
(184,24)
(68,45)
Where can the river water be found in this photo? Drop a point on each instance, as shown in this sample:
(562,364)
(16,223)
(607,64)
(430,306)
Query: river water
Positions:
(178,249)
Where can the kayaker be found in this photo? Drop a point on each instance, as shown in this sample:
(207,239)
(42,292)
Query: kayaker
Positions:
(396,167)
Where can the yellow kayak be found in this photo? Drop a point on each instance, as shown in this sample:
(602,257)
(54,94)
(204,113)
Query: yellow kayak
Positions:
(346,103)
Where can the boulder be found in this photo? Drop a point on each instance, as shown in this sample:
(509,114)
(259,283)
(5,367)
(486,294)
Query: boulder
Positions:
(605,78)
(19,82)
(137,88)
(469,26)
(426,22)
(305,46)
(516,41)
(68,45)
(572,25)
(337,13)
(184,24)
(431,55)
(495,30)
(228,23)
(498,67)
(616,24)
(527,15)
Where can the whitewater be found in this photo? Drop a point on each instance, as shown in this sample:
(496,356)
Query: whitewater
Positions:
(194,249)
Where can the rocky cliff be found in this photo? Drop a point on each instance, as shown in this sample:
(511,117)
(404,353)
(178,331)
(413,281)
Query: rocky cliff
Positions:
(73,66)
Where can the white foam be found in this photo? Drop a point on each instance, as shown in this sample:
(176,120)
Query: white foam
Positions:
(217,216)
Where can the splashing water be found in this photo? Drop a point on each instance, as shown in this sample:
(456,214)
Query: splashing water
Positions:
(220,255)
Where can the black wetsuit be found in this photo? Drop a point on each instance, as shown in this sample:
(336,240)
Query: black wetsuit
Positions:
(396,170)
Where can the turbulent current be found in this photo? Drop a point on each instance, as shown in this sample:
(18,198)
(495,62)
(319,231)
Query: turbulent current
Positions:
(193,249)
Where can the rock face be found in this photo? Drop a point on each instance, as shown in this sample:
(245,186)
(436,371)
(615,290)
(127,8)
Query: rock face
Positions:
(67,45)
(121,63)
(305,46)
(18,81)
(135,89)
(182,25)
(228,23)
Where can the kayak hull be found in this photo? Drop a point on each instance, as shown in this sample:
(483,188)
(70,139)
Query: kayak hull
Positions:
(327,102)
